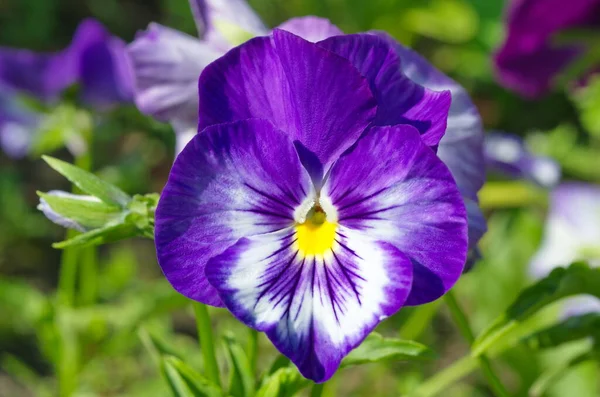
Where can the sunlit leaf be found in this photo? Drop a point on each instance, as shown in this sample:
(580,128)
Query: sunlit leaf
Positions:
(376,348)
(241,377)
(185,381)
(285,382)
(571,329)
(577,279)
(89,182)
(100,236)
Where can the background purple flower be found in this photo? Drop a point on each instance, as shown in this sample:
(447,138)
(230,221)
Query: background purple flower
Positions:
(507,154)
(572,233)
(528,60)
(461,147)
(303,206)
(167,63)
(95,59)
(17,124)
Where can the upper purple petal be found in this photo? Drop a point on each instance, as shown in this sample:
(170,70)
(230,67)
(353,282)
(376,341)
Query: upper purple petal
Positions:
(392,187)
(311,28)
(528,60)
(209,13)
(233,180)
(399,99)
(167,64)
(314,95)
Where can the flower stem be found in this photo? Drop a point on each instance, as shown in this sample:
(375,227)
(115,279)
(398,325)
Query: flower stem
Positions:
(463,325)
(207,345)
(418,320)
(253,349)
(317,390)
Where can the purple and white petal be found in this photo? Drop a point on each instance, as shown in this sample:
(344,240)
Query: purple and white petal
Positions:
(234,180)
(209,14)
(167,64)
(314,308)
(17,124)
(317,97)
(580,305)
(392,187)
(311,28)
(60,219)
(399,99)
(507,154)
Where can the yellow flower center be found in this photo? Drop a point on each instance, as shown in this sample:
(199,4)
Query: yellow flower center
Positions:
(316,235)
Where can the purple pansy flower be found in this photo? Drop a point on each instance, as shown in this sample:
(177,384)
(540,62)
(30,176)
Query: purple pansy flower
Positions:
(95,59)
(508,155)
(17,124)
(529,59)
(572,233)
(311,204)
(167,62)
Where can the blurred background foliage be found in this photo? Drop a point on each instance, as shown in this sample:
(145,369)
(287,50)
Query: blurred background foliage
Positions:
(96,351)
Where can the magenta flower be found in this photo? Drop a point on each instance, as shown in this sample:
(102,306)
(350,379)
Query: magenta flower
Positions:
(94,59)
(529,59)
(311,204)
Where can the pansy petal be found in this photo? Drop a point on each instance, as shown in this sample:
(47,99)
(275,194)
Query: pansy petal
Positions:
(393,187)
(399,99)
(311,28)
(315,309)
(210,13)
(275,79)
(167,64)
(507,154)
(43,75)
(233,180)
(106,73)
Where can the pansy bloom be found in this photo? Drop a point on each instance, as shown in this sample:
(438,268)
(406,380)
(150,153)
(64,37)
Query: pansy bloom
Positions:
(572,234)
(507,154)
(95,60)
(530,57)
(311,203)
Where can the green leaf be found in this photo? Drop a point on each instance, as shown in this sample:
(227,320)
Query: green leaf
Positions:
(377,348)
(571,329)
(576,279)
(551,376)
(100,236)
(89,182)
(587,100)
(241,377)
(86,211)
(285,382)
(186,382)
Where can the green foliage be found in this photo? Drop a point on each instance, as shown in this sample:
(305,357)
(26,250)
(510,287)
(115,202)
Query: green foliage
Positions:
(241,378)
(587,100)
(577,279)
(569,330)
(284,382)
(185,381)
(376,348)
(89,183)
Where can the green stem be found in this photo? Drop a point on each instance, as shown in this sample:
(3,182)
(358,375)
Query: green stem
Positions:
(253,349)
(317,390)
(207,345)
(68,274)
(88,268)
(463,325)
(418,320)
(446,377)
(88,283)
